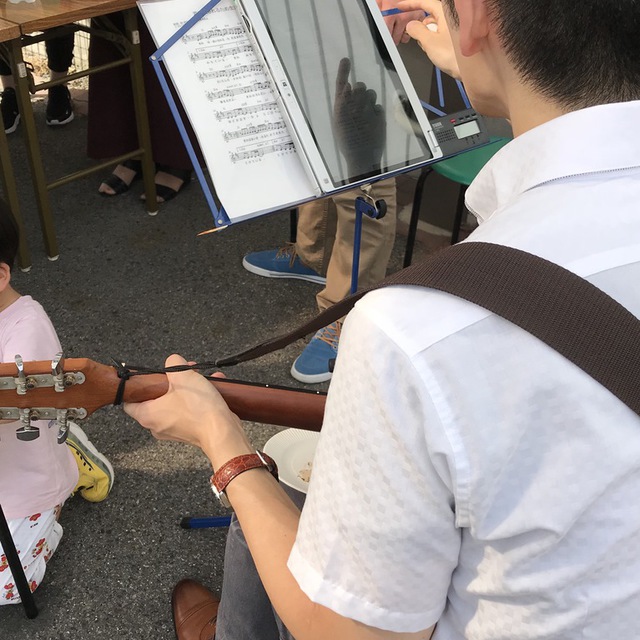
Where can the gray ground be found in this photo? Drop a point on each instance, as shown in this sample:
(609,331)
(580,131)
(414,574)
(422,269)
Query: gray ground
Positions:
(137,288)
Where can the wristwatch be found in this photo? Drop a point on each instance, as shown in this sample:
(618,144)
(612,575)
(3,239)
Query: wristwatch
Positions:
(229,470)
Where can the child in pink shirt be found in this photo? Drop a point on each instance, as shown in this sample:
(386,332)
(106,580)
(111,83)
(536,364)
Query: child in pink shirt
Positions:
(37,476)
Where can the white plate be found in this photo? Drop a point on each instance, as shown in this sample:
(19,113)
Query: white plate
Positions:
(293,451)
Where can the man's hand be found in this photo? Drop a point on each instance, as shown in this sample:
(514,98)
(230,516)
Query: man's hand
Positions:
(398,21)
(434,40)
(193,411)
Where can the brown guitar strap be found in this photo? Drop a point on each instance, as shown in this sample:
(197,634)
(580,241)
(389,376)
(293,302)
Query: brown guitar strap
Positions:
(569,314)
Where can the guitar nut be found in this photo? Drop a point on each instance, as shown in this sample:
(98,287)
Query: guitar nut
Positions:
(31,383)
(69,380)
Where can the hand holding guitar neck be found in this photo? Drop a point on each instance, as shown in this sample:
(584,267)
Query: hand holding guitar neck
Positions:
(74,388)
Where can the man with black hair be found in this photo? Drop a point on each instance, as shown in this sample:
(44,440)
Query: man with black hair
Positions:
(470,483)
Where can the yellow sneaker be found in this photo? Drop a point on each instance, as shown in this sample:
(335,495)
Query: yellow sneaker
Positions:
(96,472)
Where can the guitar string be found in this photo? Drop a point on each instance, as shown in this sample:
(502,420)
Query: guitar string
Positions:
(125,372)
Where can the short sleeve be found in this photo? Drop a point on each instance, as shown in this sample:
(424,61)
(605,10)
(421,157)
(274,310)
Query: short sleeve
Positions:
(377,540)
(29,334)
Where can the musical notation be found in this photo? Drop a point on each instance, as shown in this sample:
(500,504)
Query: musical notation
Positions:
(237,91)
(203,76)
(243,111)
(254,130)
(215,54)
(262,151)
(231,104)
(212,33)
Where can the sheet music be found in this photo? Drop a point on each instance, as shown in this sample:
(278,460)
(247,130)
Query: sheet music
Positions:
(228,98)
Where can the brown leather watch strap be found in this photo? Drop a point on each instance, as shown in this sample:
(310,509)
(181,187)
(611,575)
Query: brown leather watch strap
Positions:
(234,467)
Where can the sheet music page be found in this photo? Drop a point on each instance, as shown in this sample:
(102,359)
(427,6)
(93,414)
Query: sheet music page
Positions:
(228,98)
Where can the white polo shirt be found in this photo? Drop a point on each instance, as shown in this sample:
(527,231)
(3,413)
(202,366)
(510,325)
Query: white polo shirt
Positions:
(467,474)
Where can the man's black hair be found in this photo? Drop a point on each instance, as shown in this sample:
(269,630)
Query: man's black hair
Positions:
(577,54)
(9,238)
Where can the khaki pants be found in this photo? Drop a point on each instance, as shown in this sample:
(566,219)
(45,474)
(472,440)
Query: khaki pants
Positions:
(325,241)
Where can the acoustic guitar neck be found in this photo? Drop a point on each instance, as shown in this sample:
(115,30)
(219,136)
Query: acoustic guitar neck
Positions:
(79,386)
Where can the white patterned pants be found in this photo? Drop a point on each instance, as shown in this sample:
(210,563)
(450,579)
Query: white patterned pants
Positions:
(36,539)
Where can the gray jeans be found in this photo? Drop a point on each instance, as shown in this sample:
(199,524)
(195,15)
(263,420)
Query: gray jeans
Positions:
(245,611)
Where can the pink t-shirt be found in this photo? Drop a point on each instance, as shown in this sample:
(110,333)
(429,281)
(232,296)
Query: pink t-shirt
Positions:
(37,475)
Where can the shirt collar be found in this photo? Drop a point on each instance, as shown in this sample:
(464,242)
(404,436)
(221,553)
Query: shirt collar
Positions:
(591,140)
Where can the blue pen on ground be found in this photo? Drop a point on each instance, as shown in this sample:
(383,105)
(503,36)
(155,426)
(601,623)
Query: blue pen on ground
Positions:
(205,522)
(393,12)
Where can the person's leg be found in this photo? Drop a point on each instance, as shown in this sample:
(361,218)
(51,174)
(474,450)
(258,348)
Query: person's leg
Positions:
(8,99)
(307,259)
(59,54)
(111,126)
(95,473)
(314,364)
(59,58)
(315,233)
(245,611)
(36,539)
(376,244)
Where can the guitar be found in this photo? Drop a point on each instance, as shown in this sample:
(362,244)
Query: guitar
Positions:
(72,389)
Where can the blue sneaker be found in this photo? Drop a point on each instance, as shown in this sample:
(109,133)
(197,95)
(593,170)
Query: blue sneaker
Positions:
(280,263)
(312,365)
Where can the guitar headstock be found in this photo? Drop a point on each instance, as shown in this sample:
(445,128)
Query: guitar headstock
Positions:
(60,389)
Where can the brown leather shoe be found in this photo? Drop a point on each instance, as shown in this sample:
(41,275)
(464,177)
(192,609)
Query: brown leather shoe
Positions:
(195,610)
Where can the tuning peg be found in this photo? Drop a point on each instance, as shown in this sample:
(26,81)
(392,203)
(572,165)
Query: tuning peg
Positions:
(27,431)
(57,371)
(21,380)
(63,425)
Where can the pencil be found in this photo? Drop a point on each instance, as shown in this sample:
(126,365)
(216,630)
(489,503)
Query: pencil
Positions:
(393,12)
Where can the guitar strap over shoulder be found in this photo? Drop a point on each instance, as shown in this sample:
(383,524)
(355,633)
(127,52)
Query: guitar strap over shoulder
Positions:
(565,311)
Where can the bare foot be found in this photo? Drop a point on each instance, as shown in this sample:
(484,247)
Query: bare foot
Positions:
(123,173)
(164,179)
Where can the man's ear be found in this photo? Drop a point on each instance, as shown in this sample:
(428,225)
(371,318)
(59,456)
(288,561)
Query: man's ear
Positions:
(474,25)
(5,276)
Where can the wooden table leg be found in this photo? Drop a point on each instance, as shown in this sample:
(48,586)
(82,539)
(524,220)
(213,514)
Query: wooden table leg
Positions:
(17,571)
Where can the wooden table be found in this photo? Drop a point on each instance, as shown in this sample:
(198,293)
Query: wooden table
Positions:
(46,14)
(57,15)
(8,30)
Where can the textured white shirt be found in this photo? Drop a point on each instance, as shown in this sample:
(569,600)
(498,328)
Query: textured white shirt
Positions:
(467,474)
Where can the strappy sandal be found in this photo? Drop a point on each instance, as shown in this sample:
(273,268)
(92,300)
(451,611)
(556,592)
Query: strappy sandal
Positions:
(118,185)
(165,193)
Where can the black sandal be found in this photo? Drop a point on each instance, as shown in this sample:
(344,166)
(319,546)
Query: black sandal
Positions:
(118,185)
(164,193)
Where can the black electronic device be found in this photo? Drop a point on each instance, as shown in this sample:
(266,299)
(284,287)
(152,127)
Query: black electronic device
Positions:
(460,131)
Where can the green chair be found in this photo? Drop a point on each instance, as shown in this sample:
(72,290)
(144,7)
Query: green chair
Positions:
(462,169)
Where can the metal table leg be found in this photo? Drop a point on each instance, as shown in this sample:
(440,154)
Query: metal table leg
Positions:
(33,150)
(140,107)
(11,196)
(130,45)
